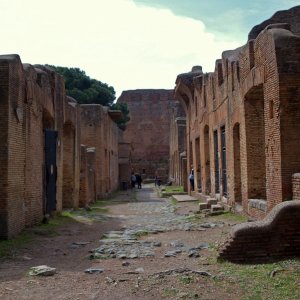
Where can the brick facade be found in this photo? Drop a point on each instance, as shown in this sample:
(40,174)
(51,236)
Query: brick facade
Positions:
(40,151)
(148,130)
(243,119)
(177,172)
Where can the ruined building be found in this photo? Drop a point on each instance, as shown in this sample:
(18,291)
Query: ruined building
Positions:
(54,153)
(243,119)
(148,130)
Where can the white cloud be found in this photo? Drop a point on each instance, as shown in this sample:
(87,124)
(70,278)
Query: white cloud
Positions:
(114,41)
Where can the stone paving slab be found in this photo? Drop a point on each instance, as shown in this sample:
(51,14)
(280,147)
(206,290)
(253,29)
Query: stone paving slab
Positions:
(184,198)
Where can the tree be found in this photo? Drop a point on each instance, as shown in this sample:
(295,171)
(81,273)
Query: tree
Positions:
(90,91)
(124,109)
(84,89)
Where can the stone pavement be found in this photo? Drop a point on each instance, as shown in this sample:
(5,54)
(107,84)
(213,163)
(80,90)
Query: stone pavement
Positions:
(150,215)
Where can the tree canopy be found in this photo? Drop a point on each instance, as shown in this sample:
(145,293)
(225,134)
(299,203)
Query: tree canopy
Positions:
(86,90)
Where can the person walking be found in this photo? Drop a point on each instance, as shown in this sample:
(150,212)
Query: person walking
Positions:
(138,180)
(133,180)
(191,179)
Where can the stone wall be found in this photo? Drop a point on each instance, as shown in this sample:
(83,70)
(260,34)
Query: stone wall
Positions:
(148,130)
(243,120)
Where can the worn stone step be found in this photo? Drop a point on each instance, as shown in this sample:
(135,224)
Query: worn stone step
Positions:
(216,207)
(202,206)
(184,198)
(211,201)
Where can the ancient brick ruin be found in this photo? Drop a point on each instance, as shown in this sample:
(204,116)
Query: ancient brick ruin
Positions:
(54,153)
(274,238)
(243,124)
(243,120)
(178,161)
(148,130)
(237,127)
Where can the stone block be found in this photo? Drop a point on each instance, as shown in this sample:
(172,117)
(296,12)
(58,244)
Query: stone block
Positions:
(202,206)
(217,207)
(211,201)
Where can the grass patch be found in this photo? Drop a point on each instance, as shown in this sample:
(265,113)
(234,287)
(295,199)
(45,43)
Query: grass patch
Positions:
(225,216)
(141,233)
(174,201)
(233,217)
(257,283)
(101,203)
(186,279)
(174,189)
(8,248)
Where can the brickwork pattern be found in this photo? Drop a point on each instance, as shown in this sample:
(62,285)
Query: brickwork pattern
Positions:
(254,87)
(296,186)
(177,144)
(148,130)
(274,238)
(99,131)
(4,104)
(33,99)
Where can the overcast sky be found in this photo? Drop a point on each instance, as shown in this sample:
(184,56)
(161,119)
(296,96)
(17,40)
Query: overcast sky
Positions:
(130,44)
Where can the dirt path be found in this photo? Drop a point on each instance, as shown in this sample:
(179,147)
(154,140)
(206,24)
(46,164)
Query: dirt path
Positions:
(153,249)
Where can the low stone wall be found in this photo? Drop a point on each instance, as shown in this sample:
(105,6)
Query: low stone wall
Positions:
(274,238)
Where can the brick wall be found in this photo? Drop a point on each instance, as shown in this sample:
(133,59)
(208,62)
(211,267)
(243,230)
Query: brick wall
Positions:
(148,130)
(4,105)
(83,188)
(255,89)
(99,131)
(177,144)
(12,208)
(33,100)
(16,145)
(71,154)
(34,144)
(296,186)
(276,237)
